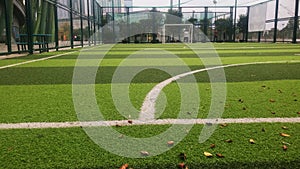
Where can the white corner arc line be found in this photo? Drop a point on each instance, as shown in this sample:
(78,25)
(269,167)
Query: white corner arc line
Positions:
(148,108)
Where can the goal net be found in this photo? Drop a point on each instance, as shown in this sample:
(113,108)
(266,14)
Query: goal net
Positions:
(177,33)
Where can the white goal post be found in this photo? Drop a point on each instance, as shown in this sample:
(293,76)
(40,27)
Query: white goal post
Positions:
(189,33)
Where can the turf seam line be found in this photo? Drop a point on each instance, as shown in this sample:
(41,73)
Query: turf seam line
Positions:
(46,125)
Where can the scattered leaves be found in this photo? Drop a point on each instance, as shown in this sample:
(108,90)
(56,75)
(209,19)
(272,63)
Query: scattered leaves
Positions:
(125,166)
(182,156)
(298,113)
(207,154)
(170,143)
(145,153)
(252,141)
(284,128)
(212,146)
(284,147)
(273,112)
(285,135)
(280,91)
(272,100)
(220,155)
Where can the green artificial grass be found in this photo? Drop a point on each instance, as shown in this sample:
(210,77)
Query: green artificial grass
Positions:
(42,92)
(72,148)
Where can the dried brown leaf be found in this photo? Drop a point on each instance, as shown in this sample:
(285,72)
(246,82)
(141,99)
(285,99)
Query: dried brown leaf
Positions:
(252,141)
(284,147)
(220,155)
(212,146)
(182,156)
(181,165)
(224,125)
(207,154)
(272,100)
(125,166)
(285,135)
(145,153)
(229,141)
(170,143)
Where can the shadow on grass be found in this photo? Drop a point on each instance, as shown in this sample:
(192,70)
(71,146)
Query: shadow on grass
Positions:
(64,75)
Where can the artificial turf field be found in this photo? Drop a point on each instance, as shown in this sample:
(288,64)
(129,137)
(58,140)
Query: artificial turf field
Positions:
(42,92)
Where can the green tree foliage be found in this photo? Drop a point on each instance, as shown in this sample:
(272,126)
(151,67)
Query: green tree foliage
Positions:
(224,29)
(243,25)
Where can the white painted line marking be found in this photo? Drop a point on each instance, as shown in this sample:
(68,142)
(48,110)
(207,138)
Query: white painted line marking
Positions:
(41,125)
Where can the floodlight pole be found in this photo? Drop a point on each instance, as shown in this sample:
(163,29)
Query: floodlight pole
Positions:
(171,5)
(235,14)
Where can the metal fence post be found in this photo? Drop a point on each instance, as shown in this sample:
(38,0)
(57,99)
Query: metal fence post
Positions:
(8,24)
(29,25)
(71,25)
(56,27)
(276,21)
(296,21)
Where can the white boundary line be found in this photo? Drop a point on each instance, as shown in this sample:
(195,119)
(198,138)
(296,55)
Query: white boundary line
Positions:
(41,59)
(41,125)
(36,60)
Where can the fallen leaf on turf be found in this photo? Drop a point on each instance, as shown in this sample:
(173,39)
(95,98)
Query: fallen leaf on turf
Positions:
(170,143)
(130,121)
(298,112)
(285,135)
(252,141)
(144,153)
(212,146)
(284,127)
(263,130)
(241,101)
(181,165)
(272,100)
(286,143)
(284,147)
(224,125)
(207,154)
(273,112)
(220,155)
(182,156)
(125,166)
(228,141)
